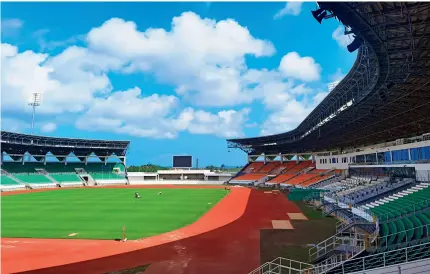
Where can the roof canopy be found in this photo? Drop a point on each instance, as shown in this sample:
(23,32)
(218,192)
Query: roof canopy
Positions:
(386,94)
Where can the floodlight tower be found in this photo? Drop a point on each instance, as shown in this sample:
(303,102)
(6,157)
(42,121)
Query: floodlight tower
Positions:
(34,100)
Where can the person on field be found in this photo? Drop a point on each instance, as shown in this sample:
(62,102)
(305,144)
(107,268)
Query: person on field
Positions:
(159,193)
(136,195)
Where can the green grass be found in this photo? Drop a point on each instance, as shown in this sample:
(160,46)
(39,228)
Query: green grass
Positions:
(101,213)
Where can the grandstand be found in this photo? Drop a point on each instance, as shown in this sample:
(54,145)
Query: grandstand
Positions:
(363,154)
(30,161)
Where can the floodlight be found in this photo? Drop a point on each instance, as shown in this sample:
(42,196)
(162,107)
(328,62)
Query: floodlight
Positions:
(34,100)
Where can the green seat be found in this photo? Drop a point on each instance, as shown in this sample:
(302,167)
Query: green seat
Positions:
(33,178)
(7,181)
(63,178)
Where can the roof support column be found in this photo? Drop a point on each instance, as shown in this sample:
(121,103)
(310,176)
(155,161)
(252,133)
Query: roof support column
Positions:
(297,158)
(23,158)
(44,160)
(409,154)
(86,159)
(264,158)
(281,157)
(2,155)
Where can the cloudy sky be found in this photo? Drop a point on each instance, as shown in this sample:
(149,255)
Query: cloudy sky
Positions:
(173,78)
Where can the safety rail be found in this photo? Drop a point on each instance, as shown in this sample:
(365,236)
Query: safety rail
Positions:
(404,233)
(347,242)
(277,265)
(384,259)
(412,209)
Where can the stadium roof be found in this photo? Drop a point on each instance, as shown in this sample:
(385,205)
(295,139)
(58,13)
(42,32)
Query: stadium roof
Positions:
(386,94)
(16,143)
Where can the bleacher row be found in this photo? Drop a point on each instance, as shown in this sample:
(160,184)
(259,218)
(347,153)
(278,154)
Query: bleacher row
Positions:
(404,226)
(291,173)
(15,175)
(397,207)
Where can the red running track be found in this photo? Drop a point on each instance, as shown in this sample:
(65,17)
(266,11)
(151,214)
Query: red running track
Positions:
(225,240)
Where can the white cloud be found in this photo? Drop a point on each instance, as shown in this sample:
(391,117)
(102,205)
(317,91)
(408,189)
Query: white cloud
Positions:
(203,58)
(11,26)
(46,45)
(68,81)
(290,115)
(48,127)
(291,8)
(128,112)
(302,68)
(337,76)
(339,36)
(13,124)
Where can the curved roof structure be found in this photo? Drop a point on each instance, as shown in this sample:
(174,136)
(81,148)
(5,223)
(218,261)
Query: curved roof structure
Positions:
(17,143)
(386,94)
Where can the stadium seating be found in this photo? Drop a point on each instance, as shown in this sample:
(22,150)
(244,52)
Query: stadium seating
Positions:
(65,178)
(281,178)
(65,174)
(105,176)
(297,180)
(316,179)
(33,178)
(405,203)
(299,167)
(283,167)
(268,167)
(253,167)
(5,180)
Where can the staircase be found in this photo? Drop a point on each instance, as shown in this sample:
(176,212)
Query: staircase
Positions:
(46,174)
(10,175)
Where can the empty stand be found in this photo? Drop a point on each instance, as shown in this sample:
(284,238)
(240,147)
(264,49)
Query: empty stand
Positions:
(316,179)
(269,167)
(253,167)
(283,167)
(299,179)
(299,167)
(281,178)
(5,180)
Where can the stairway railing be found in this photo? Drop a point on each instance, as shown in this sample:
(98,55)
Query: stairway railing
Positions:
(276,266)
(341,241)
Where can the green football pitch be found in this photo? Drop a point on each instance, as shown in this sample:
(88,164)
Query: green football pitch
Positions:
(100,213)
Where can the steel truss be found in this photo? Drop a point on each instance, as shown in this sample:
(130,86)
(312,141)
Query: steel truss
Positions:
(16,145)
(388,86)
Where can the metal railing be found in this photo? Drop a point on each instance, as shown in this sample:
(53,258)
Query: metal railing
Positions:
(411,209)
(383,241)
(347,242)
(282,265)
(388,258)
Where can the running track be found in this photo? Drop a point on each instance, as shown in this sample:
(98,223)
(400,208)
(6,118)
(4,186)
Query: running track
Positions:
(224,240)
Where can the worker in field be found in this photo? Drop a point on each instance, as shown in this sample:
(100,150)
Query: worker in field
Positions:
(136,195)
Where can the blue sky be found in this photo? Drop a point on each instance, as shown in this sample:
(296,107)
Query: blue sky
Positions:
(173,78)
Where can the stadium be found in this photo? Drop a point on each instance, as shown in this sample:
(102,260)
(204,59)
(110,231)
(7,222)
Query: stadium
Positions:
(347,191)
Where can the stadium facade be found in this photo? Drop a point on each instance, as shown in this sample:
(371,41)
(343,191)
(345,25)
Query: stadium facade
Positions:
(363,154)
(30,161)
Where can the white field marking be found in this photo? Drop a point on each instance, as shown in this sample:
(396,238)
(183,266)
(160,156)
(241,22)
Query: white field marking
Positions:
(73,234)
